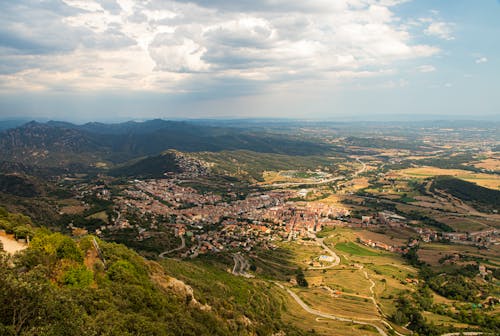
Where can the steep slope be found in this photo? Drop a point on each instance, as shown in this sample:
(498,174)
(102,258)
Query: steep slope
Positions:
(468,192)
(149,167)
(18,185)
(59,286)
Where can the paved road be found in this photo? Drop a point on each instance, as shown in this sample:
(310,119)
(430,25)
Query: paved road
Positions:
(363,168)
(183,245)
(328,316)
(336,258)
(292,184)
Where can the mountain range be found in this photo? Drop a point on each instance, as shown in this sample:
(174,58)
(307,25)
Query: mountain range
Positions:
(98,145)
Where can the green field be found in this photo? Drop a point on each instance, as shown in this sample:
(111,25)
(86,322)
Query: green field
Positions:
(355,249)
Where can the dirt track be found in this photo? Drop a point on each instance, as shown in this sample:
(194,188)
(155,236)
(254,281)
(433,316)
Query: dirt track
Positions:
(10,245)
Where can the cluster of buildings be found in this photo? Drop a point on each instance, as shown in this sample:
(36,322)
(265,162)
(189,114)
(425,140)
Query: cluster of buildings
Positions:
(212,224)
(481,238)
(378,245)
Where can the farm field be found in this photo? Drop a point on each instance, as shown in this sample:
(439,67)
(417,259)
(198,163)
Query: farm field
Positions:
(431,253)
(354,249)
(464,224)
(357,308)
(100,215)
(489,164)
(71,207)
(491,181)
(295,315)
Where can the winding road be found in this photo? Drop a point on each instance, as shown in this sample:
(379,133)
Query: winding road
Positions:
(372,298)
(241,266)
(336,258)
(183,245)
(328,316)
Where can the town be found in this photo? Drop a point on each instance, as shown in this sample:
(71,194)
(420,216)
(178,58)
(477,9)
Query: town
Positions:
(206,223)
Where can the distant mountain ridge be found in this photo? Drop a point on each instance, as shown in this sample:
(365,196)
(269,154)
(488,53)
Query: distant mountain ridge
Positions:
(62,144)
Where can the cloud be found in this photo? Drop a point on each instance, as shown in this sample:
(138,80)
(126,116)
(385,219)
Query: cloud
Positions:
(481,60)
(177,54)
(184,46)
(442,30)
(426,68)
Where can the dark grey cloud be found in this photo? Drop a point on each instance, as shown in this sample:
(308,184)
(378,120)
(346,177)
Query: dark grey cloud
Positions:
(38,27)
(35,27)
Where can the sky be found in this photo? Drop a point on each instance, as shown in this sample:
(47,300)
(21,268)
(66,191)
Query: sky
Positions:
(110,60)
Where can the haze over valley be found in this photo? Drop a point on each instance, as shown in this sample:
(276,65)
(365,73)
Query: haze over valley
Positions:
(263,168)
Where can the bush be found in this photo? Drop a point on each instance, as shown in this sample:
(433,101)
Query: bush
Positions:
(78,277)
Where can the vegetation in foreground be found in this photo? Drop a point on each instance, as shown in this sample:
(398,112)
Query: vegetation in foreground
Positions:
(59,286)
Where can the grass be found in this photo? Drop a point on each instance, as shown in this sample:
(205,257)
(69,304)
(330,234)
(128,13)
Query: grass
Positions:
(281,264)
(100,215)
(431,253)
(391,271)
(344,306)
(490,164)
(297,316)
(462,224)
(355,249)
(491,181)
(348,280)
(305,175)
(325,232)
(440,319)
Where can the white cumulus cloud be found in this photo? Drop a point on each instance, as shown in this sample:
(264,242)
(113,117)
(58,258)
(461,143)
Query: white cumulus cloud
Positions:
(162,45)
(442,30)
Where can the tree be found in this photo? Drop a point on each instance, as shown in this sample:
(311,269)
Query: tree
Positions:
(301,279)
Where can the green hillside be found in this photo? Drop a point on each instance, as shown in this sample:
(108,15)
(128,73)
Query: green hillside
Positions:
(150,167)
(62,286)
(18,185)
(468,191)
(80,147)
(251,164)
